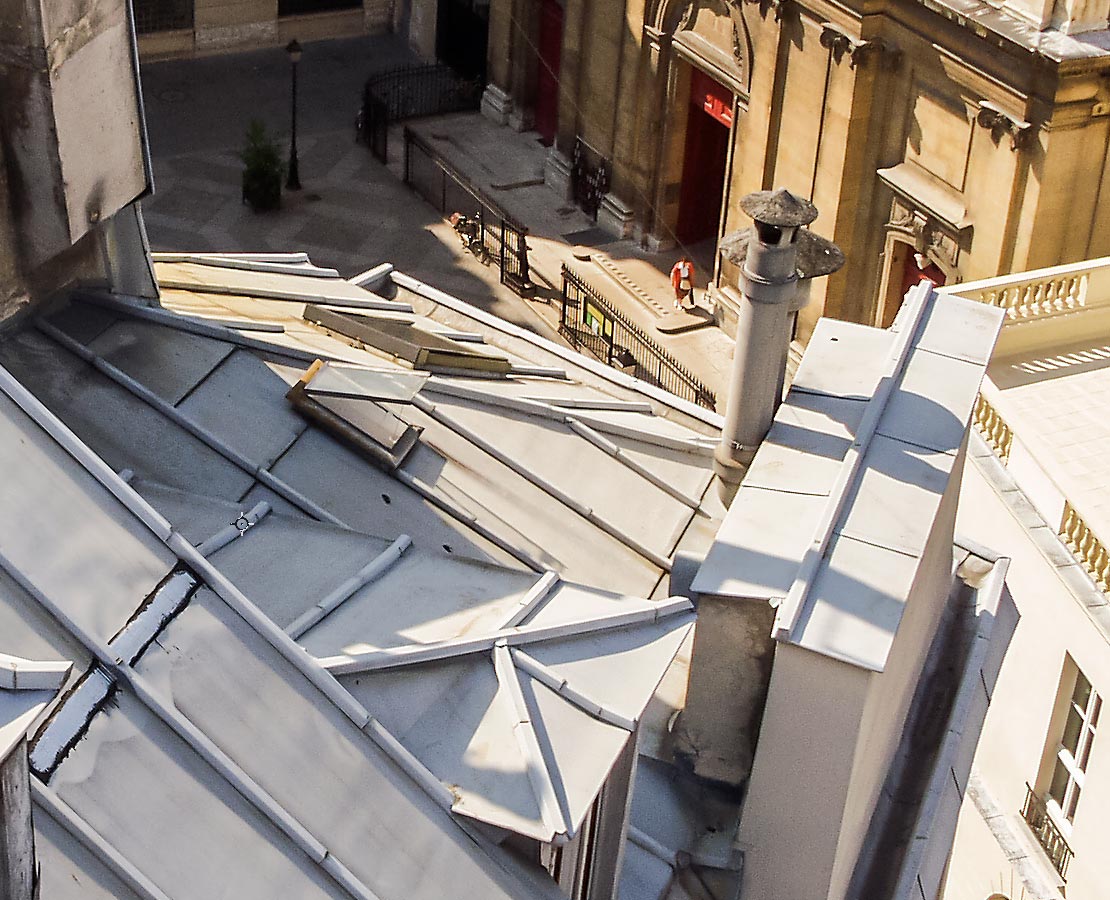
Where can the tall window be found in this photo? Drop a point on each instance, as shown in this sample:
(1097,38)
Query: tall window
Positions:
(1074,750)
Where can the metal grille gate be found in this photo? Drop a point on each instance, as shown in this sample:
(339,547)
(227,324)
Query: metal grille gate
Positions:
(162,15)
(503,238)
(589,321)
(409,93)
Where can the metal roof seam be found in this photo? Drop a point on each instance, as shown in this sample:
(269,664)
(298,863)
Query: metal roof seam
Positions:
(552,679)
(697,444)
(603,443)
(189,325)
(535,595)
(187,553)
(412,654)
(190,733)
(249,265)
(600,369)
(368,573)
(790,611)
(89,461)
(543,780)
(142,392)
(95,843)
(542,483)
(263,293)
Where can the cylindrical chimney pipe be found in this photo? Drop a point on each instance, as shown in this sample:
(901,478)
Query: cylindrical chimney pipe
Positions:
(768,283)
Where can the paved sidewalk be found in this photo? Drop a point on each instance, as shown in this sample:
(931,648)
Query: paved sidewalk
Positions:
(508,167)
(353,212)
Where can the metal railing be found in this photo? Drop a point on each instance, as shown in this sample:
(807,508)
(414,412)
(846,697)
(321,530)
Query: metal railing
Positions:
(409,93)
(588,321)
(502,238)
(1046,832)
(152,16)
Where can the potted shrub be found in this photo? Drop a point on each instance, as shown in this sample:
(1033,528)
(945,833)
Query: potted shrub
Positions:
(262,169)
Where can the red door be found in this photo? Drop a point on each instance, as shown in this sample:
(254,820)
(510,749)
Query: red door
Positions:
(703,167)
(547,78)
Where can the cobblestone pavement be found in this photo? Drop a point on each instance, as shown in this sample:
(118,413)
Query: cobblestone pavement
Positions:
(353,212)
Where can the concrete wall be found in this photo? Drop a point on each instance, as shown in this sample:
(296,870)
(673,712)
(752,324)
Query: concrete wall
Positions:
(803,767)
(71,138)
(1055,625)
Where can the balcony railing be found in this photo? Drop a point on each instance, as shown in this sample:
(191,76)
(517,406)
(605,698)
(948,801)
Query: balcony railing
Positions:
(994,429)
(1046,832)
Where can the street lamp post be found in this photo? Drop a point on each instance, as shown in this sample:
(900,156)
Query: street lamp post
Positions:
(293,182)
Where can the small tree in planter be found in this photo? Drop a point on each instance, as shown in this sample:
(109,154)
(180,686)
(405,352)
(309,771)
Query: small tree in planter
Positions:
(262,169)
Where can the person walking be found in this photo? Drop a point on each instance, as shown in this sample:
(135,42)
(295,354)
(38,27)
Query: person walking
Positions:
(682,280)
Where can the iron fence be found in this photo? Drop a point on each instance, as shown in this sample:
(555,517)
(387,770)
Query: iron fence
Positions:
(409,93)
(502,238)
(162,15)
(588,321)
(1046,832)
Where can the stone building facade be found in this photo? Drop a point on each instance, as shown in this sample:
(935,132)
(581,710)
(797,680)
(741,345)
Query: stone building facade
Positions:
(180,27)
(954,140)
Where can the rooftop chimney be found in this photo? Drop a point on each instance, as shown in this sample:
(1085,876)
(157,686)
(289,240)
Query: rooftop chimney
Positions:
(776,256)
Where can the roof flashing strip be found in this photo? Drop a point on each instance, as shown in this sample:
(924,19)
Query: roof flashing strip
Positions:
(413,654)
(790,610)
(542,778)
(19,674)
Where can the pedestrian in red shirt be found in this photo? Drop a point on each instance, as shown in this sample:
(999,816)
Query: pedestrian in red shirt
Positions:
(682,280)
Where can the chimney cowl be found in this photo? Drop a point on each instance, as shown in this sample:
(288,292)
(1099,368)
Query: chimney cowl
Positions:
(816,256)
(779,208)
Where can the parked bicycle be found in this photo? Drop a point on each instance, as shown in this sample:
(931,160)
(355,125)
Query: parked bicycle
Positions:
(469,230)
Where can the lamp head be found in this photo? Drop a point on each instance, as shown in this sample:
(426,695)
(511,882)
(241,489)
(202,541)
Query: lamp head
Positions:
(293,48)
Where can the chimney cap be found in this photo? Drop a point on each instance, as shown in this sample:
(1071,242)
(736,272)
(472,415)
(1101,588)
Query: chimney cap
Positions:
(816,256)
(780,208)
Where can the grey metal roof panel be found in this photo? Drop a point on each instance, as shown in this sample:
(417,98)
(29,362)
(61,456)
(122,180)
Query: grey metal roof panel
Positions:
(311,758)
(856,602)
(170,363)
(120,428)
(821,427)
(67,870)
(934,401)
(561,457)
(896,497)
(444,596)
(527,516)
(372,501)
(242,402)
(757,554)
(843,359)
(963,331)
(159,804)
(67,535)
(27,630)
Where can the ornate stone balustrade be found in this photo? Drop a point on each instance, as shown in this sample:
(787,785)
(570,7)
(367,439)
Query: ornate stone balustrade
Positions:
(1043,293)
(1036,299)
(1086,547)
(994,429)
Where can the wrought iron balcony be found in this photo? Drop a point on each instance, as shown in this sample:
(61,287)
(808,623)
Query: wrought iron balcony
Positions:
(1048,835)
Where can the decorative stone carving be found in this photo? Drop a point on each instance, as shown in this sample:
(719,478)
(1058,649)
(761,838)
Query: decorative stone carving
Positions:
(1000,123)
(779,7)
(928,235)
(842,44)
